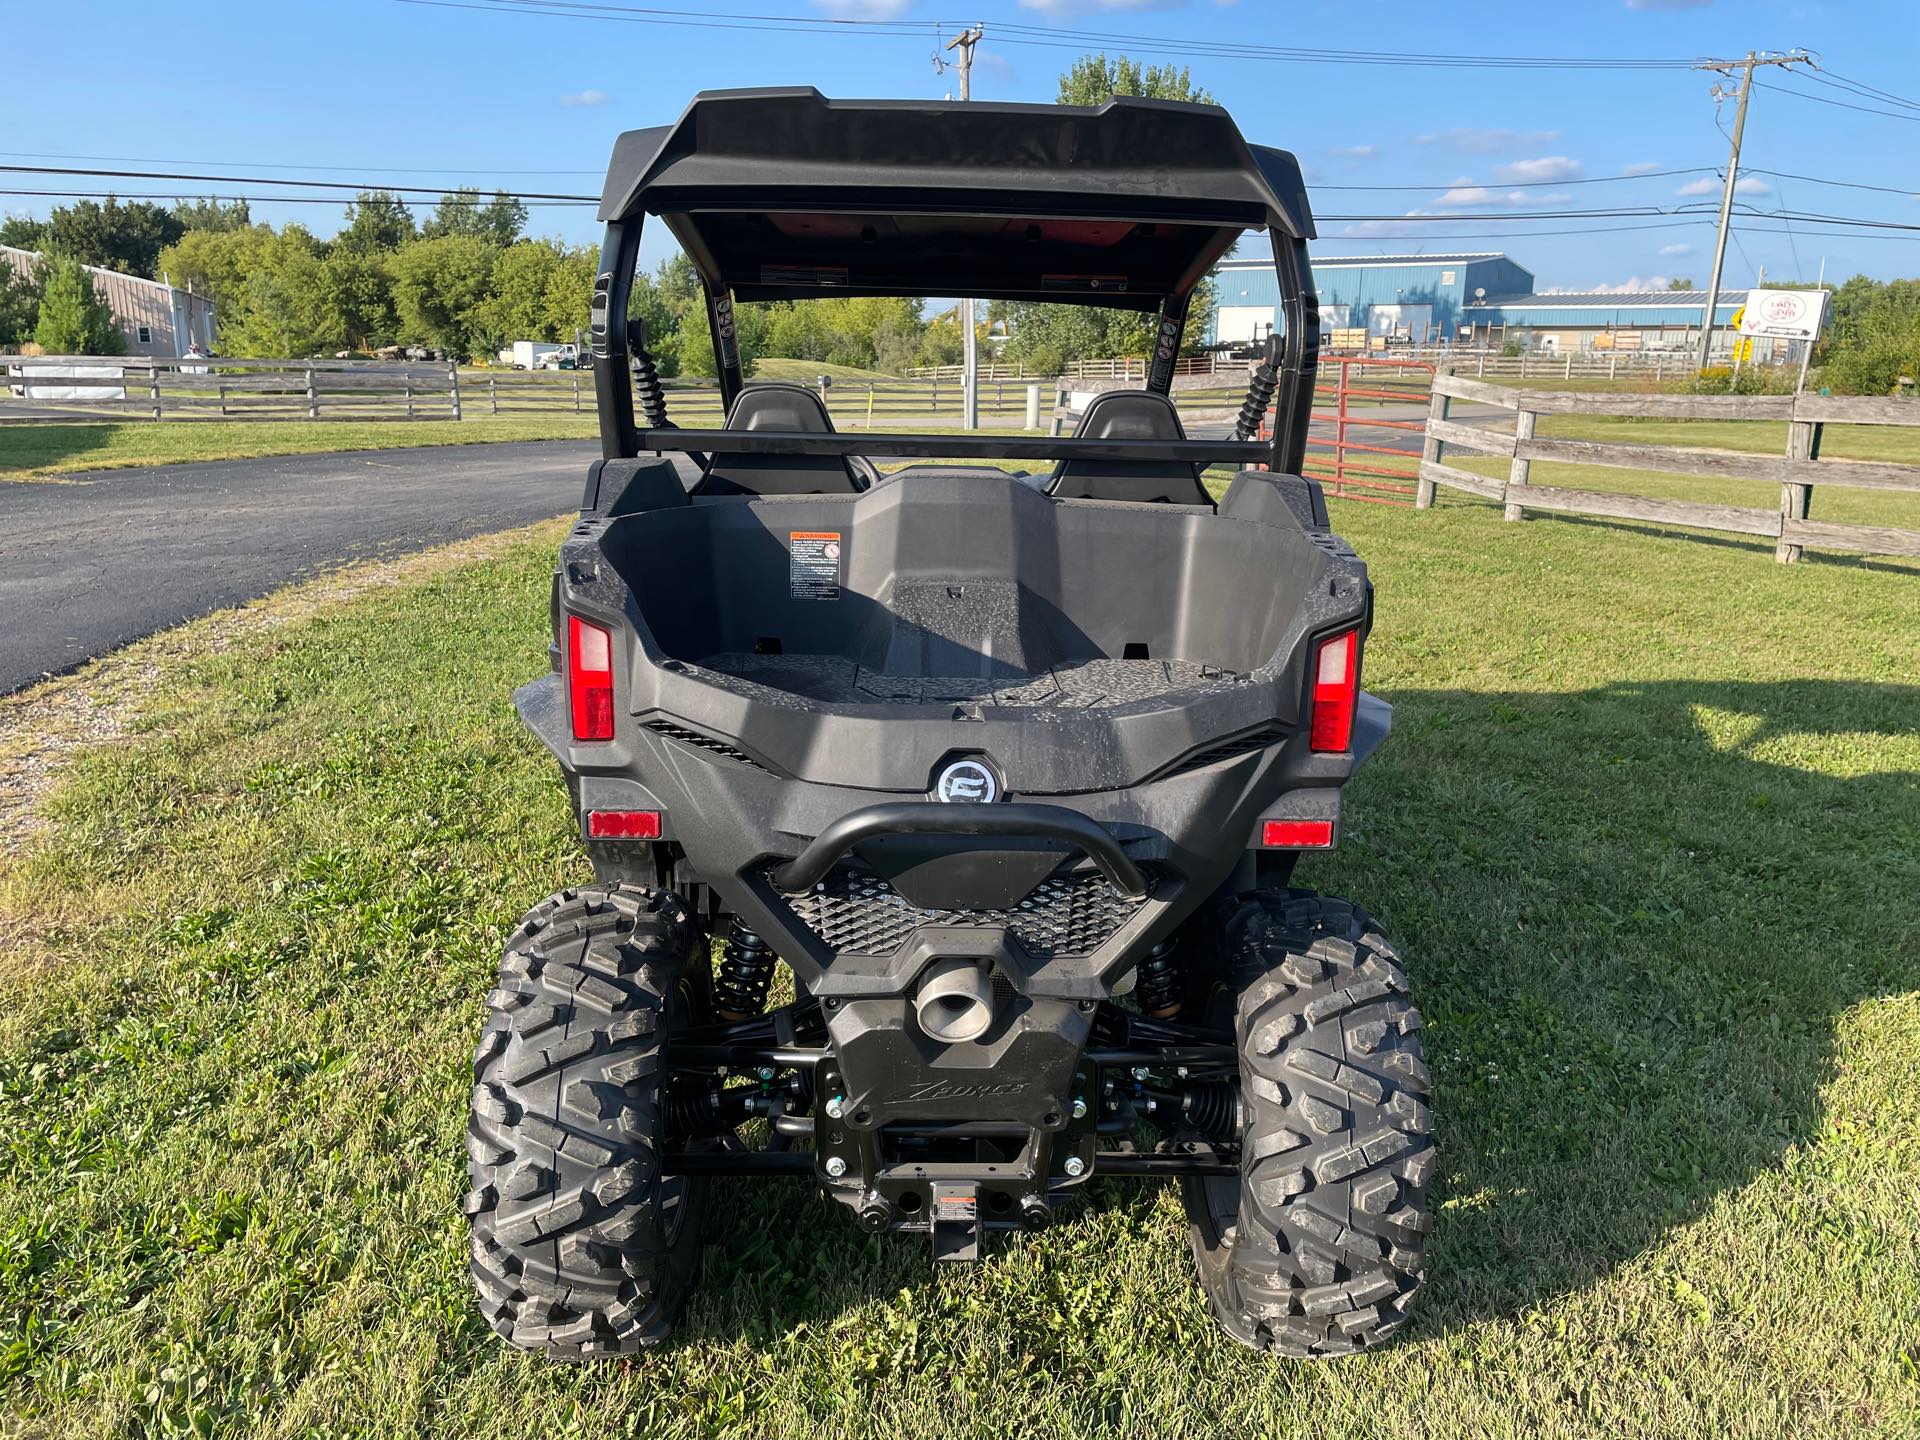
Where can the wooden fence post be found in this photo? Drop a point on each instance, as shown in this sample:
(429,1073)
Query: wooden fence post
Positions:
(313,397)
(453,383)
(1803,443)
(493,396)
(576,392)
(1517,476)
(1613,367)
(409,394)
(155,390)
(1437,408)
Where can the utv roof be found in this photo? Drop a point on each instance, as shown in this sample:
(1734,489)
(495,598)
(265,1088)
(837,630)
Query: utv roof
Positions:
(783,194)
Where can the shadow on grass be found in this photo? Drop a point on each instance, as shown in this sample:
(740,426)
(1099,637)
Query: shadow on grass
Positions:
(28,447)
(1634,916)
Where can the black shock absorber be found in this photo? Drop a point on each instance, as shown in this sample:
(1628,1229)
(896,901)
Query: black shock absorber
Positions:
(745,973)
(647,390)
(1160,982)
(1262,381)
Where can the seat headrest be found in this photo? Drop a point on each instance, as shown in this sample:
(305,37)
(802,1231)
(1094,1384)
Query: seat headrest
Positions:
(1130,415)
(779,406)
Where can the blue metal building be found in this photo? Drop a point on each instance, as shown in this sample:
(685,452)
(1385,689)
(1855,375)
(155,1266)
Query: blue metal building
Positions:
(1422,296)
(1460,298)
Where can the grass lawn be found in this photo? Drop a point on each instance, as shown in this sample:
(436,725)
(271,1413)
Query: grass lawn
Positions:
(1647,830)
(1897,443)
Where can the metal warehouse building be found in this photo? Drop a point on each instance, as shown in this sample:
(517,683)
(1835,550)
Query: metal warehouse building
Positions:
(1465,298)
(155,318)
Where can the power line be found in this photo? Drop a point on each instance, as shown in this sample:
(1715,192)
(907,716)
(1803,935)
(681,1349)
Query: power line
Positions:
(254,199)
(1842,184)
(1843,104)
(274,180)
(1590,180)
(1854,87)
(1031,35)
(275,165)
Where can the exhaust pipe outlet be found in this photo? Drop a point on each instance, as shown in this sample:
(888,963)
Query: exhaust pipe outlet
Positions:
(954,1003)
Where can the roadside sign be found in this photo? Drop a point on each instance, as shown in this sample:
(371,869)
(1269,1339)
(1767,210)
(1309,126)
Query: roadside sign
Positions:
(1783,314)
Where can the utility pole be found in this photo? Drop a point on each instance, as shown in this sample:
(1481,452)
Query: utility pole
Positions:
(969,345)
(1746,68)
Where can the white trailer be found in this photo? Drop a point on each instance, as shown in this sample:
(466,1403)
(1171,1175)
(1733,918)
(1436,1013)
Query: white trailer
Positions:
(526,354)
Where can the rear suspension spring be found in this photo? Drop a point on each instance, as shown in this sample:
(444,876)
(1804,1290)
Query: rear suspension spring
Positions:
(647,389)
(745,973)
(1262,381)
(1161,981)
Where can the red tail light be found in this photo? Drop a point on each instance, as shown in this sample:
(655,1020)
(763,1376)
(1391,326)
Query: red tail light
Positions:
(1336,685)
(1297,835)
(623,824)
(590,679)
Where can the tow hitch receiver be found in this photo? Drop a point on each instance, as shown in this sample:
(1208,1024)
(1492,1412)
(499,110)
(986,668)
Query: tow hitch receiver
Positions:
(956,1221)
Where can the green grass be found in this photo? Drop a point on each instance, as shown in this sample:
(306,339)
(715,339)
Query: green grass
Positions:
(1648,832)
(1838,503)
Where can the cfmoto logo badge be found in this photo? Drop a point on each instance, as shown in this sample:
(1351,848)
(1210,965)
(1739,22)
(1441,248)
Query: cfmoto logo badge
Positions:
(966,782)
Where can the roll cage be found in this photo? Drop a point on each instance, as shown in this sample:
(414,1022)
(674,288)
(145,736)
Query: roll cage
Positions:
(785,194)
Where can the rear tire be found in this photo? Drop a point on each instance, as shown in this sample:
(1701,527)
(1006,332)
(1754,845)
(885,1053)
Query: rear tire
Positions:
(1319,1245)
(580,1247)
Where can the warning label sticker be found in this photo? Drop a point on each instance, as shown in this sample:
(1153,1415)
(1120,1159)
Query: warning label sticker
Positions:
(816,564)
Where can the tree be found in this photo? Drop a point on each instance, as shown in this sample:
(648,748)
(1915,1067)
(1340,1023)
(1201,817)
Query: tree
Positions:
(359,291)
(73,320)
(1094,79)
(460,212)
(19,304)
(376,221)
(1873,336)
(127,238)
(440,289)
(1680,282)
(22,232)
(213,214)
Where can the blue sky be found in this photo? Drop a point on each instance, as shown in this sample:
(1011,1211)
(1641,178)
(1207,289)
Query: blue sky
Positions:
(433,94)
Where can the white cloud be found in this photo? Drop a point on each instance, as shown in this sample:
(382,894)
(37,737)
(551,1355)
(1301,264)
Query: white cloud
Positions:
(1071,7)
(1709,185)
(864,9)
(1641,167)
(1679,248)
(1354,152)
(1628,286)
(585,99)
(1540,171)
(1475,140)
(1479,196)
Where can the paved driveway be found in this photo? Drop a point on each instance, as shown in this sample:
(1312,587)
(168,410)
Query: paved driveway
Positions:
(88,566)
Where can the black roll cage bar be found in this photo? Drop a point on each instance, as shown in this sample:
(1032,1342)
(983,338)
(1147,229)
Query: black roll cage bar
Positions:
(620,438)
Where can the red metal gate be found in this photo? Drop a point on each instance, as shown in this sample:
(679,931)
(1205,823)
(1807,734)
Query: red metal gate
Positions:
(1366,468)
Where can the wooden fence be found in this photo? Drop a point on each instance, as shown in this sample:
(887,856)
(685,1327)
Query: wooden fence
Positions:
(139,387)
(1797,472)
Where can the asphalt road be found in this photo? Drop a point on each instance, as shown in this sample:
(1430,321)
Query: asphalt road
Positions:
(88,566)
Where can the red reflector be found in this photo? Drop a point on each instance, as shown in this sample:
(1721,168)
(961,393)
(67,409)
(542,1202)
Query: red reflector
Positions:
(590,679)
(623,824)
(1296,834)
(1336,674)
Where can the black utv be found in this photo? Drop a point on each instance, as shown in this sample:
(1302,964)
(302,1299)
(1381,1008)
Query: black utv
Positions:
(1008,770)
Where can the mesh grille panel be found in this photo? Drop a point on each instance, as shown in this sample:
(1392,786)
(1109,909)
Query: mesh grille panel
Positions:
(858,912)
